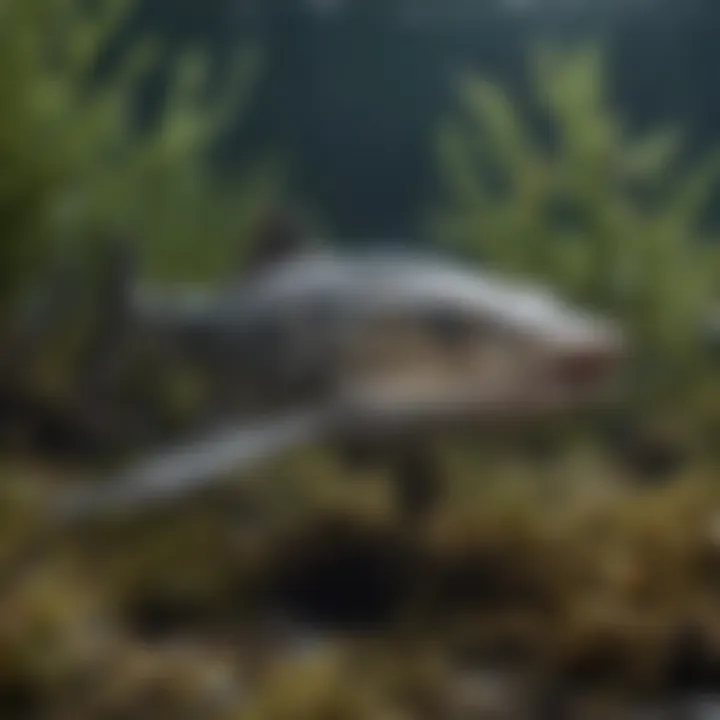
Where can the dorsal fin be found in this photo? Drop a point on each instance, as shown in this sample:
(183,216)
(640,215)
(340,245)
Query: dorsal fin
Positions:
(277,236)
(117,268)
(114,280)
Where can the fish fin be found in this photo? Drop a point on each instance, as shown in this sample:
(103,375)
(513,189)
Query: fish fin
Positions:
(179,472)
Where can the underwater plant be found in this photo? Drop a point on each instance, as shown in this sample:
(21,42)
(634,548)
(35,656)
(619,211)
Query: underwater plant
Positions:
(559,190)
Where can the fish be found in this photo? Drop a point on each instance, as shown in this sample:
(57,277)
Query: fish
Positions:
(381,349)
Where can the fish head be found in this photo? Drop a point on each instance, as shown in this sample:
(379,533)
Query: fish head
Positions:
(457,345)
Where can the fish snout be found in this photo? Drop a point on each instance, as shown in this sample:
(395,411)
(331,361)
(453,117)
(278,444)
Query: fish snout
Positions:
(590,365)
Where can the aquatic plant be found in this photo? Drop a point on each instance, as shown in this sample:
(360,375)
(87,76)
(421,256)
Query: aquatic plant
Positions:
(560,190)
(79,158)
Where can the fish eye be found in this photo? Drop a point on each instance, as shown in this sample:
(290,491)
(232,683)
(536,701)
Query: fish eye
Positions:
(451,327)
(320,309)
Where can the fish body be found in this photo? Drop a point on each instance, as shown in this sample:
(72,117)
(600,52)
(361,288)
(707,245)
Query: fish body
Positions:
(381,348)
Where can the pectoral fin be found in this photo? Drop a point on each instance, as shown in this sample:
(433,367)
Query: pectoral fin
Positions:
(177,473)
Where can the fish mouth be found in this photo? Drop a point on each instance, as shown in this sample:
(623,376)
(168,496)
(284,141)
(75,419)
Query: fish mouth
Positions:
(588,370)
(586,375)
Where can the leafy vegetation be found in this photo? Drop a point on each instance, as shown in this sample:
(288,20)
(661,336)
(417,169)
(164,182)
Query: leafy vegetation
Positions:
(77,160)
(593,589)
(613,221)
